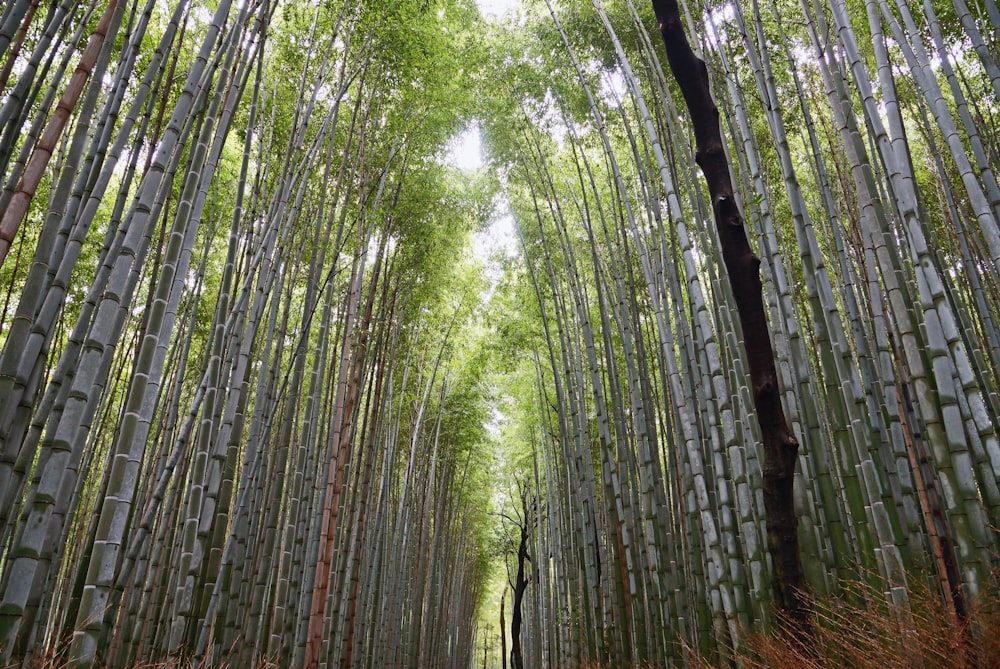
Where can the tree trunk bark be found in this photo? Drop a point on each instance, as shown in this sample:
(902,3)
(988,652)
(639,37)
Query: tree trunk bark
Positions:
(503,635)
(520,585)
(780,445)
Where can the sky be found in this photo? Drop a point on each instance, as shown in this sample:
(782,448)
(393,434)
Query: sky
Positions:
(465,153)
(495,8)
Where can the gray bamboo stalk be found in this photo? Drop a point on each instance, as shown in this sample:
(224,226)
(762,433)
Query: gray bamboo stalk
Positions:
(17,207)
(25,92)
(943,424)
(132,436)
(68,434)
(31,330)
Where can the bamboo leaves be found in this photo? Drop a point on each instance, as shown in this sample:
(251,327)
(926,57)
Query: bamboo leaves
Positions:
(251,389)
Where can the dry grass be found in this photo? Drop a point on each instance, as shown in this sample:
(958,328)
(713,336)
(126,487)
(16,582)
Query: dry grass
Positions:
(861,630)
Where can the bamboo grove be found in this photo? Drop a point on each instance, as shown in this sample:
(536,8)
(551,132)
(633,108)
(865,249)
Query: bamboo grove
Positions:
(237,425)
(251,371)
(863,143)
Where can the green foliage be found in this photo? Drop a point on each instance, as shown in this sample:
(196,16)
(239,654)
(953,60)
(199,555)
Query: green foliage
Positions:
(600,374)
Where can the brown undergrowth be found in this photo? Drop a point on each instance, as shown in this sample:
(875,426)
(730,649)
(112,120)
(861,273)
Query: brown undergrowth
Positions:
(861,630)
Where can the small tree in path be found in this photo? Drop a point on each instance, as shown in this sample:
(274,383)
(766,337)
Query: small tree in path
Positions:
(518,535)
(742,267)
(520,583)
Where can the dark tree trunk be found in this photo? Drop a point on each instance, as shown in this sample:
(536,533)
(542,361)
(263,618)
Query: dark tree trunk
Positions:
(520,585)
(503,635)
(780,445)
